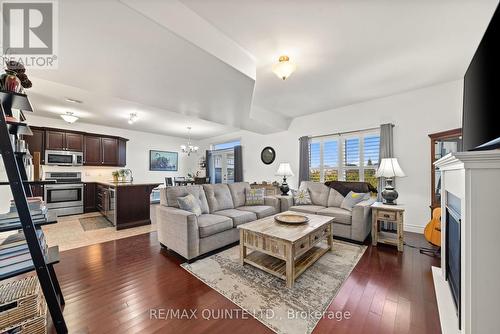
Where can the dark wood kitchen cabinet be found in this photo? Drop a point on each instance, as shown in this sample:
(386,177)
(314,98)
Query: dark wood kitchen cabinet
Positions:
(109,151)
(63,141)
(54,140)
(74,142)
(105,151)
(92,151)
(90,197)
(37,190)
(36,143)
(98,150)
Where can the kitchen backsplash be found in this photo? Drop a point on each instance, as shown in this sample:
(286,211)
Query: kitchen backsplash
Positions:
(88,173)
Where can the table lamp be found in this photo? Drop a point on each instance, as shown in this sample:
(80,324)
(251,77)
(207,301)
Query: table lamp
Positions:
(389,168)
(284,170)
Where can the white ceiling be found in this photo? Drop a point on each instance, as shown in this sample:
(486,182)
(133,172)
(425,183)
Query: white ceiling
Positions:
(349,51)
(207,63)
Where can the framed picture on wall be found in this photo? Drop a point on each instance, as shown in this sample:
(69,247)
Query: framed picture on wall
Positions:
(163,161)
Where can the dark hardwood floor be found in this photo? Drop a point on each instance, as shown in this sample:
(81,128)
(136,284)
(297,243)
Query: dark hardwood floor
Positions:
(111,287)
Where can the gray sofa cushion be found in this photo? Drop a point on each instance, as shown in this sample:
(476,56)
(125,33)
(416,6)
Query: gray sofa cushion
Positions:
(342,216)
(261,211)
(335,198)
(190,203)
(238,216)
(218,197)
(238,192)
(209,224)
(307,208)
(172,193)
(318,192)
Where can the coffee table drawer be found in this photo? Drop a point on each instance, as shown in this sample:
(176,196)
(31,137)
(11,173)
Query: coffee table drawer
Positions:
(275,247)
(301,246)
(254,240)
(320,234)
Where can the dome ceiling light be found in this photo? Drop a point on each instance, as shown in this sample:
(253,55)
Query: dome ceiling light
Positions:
(68,117)
(284,68)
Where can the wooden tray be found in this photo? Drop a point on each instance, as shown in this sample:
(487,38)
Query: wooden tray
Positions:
(291,219)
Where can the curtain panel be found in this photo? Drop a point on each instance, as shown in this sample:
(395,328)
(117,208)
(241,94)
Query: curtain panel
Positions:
(386,151)
(304,158)
(238,164)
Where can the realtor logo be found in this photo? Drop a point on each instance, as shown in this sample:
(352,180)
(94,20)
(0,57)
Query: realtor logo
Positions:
(29,32)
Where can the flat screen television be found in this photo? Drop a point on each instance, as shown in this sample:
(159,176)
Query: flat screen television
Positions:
(481,108)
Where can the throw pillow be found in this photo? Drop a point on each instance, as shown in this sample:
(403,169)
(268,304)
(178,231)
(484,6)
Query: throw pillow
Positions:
(301,196)
(190,203)
(352,199)
(254,196)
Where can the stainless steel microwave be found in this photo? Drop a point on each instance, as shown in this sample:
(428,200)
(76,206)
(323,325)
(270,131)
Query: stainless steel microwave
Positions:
(63,158)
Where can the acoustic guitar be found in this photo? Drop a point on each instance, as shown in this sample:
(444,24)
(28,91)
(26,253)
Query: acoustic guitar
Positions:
(432,231)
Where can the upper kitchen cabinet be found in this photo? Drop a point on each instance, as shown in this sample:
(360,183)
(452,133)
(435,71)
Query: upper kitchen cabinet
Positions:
(105,151)
(36,142)
(92,153)
(74,142)
(54,140)
(63,141)
(109,151)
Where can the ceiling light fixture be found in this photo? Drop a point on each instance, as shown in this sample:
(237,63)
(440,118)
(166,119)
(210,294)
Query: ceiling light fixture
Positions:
(284,68)
(132,118)
(68,99)
(189,148)
(68,117)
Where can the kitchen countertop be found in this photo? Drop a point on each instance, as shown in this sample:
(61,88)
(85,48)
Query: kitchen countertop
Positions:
(127,184)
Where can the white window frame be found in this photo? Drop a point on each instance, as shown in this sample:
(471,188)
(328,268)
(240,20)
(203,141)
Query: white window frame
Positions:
(213,145)
(342,168)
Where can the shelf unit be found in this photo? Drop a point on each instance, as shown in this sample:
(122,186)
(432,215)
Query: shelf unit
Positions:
(24,256)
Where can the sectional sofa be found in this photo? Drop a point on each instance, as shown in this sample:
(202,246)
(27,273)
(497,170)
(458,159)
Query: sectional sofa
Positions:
(353,225)
(223,209)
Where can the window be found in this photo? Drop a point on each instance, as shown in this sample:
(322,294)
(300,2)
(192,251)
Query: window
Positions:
(345,157)
(226,145)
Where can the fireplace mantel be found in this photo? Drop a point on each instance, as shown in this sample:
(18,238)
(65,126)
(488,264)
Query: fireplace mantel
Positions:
(473,177)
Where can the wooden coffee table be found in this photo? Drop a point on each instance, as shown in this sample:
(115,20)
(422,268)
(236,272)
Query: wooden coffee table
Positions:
(284,250)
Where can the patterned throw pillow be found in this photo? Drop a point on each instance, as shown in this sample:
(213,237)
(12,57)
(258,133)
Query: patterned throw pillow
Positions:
(301,197)
(190,203)
(352,199)
(254,196)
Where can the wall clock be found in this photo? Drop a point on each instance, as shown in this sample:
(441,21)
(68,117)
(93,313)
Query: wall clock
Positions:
(268,155)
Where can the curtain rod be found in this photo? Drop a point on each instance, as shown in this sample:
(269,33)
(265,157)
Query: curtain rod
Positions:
(346,132)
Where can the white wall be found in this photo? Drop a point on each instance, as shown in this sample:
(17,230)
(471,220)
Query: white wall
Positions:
(138,148)
(415,115)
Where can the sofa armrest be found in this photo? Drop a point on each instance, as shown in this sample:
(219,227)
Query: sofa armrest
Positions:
(286,203)
(272,201)
(178,230)
(362,219)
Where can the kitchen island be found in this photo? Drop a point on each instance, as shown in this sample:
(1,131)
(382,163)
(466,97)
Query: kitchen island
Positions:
(125,204)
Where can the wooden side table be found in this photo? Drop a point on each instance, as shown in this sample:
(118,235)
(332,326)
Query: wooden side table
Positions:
(391,214)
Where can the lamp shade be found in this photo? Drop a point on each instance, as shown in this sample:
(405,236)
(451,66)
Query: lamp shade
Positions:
(284,169)
(389,167)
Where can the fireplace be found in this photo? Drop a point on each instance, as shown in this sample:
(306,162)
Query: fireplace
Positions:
(453,249)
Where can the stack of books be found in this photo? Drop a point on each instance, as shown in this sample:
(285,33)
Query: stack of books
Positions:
(38,210)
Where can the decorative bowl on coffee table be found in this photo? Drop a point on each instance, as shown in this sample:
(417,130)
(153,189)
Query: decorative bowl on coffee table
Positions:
(291,219)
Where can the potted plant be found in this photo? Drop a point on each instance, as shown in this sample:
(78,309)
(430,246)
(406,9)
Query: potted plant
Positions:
(115,176)
(123,175)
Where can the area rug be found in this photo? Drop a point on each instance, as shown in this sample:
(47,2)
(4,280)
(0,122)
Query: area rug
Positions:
(94,223)
(265,297)
(69,233)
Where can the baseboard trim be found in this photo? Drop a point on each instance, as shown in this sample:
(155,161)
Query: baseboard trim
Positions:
(414,228)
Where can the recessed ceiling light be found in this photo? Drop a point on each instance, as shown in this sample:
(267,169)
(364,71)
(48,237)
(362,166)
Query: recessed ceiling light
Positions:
(68,99)
(68,117)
